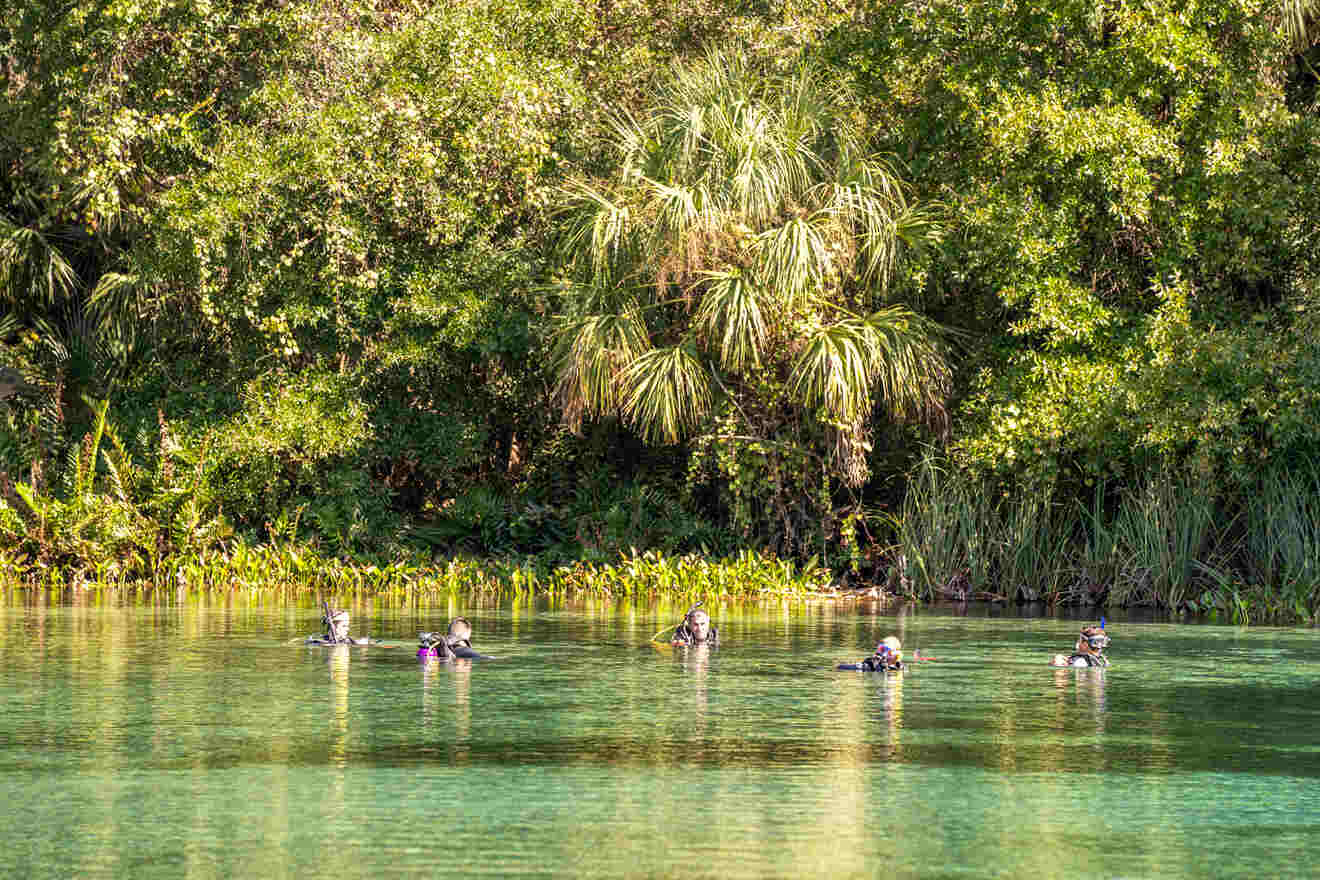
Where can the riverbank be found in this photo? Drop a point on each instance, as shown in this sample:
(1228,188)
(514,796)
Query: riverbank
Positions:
(295,570)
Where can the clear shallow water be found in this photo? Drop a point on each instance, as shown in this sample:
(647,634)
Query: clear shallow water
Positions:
(198,738)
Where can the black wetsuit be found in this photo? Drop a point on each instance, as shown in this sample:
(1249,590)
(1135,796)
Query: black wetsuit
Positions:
(1091,659)
(875,663)
(463,648)
(684,636)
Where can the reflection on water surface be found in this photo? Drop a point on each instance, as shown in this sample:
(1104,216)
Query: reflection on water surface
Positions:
(201,739)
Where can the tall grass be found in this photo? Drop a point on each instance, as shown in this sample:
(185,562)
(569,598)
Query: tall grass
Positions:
(960,538)
(1032,545)
(1283,536)
(934,541)
(1098,556)
(1168,541)
(1163,531)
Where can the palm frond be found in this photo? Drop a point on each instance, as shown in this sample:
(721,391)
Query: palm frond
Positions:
(920,226)
(868,200)
(32,269)
(878,178)
(666,393)
(678,208)
(794,258)
(833,372)
(762,178)
(114,308)
(731,312)
(804,107)
(599,229)
(1299,20)
(894,351)
(589,354)
(910,367)
(812,139)
(631,139)
(114,292)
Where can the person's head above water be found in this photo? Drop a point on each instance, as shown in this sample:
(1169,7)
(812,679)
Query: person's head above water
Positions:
(460,629)
(1092,640)
(698,624)
(695,629)
(888,657)
(1089,650)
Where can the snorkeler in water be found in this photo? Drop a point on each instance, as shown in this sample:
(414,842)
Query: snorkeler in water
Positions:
(1089,650)
(888,657)
(696,629)
(434,646)
(459,637)
(456,642)
(336,629)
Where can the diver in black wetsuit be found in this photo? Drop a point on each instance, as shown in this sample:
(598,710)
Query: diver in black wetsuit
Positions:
(696,629)
(336,629)
(887,658)
(456,643)
(1089,650)
(459,638)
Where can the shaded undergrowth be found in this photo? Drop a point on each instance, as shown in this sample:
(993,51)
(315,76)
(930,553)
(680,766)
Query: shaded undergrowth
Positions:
(122,514)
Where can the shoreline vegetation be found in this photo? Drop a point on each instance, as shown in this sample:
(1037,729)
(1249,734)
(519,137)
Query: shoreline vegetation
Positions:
(1165,546)
(558,297)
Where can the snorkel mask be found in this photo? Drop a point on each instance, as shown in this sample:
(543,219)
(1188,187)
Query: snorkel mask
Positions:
(1094,637)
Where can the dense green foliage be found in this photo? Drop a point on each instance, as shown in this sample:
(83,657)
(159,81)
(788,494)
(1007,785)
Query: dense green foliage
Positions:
(1136,247)
(540,276)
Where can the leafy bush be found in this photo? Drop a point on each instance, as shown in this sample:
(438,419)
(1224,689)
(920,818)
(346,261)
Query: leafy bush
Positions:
(297,446)
(107,509)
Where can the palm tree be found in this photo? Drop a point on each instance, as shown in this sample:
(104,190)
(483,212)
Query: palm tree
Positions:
(740,256)
(62,338)
(1298,20)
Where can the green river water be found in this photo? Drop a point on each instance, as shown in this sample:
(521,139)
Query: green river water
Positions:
(195,737)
